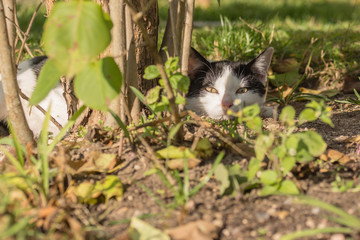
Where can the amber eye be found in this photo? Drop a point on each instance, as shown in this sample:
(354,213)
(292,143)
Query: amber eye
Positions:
(211,90)
(242,90)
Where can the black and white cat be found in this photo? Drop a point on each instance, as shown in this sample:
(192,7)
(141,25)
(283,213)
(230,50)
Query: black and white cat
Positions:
(216,86)
(27,74)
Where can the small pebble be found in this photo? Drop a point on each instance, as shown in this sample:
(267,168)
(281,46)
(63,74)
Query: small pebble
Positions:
(262,216)
(310,223)
(226,232)
(315,210)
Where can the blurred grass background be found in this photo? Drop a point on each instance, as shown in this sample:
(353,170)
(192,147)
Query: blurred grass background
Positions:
(326,30)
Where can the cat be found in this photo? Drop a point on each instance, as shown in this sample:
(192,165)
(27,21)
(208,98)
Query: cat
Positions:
(27,74)
(216,86)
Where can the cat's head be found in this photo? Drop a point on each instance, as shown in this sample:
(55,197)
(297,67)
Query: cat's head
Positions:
(216,86)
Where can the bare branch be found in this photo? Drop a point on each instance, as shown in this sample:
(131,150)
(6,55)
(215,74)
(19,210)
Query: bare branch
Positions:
(26,35)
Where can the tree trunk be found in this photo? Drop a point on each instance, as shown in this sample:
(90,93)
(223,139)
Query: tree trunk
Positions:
(143,56)
(9,83)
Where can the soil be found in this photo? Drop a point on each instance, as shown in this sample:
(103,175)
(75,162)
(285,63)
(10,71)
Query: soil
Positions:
(240,216)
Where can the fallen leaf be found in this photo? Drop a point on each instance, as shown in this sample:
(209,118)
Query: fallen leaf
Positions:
(97,162)
(344,160)
(282,214)
(174,152)
(334,155)
(199,230)
(140,230)
(179,163)
(204,148)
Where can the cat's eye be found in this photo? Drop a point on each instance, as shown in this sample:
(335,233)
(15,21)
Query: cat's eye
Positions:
(211,90)
(242,90)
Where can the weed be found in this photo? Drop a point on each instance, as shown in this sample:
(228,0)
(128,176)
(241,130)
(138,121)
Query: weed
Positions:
(351,223)
(182,191)
(283,147)
(351,100)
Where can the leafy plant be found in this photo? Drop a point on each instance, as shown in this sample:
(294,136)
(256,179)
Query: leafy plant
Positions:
(282,146)
(351,100)
(72,44)
(156,98)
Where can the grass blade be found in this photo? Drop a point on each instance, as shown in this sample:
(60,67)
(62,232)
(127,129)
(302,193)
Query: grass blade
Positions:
(312,232)
(208,175)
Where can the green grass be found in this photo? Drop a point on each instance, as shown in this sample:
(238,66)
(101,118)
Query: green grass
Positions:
(25,11)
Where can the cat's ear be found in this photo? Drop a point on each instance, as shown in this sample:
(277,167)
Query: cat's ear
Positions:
(261,63)
(196,62)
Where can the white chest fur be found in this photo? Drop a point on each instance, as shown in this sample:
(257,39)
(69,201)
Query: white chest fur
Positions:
(27,81)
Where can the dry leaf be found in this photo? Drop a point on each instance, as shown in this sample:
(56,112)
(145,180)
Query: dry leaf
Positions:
(98,162)
(199,230)
(334,155)
(179,163)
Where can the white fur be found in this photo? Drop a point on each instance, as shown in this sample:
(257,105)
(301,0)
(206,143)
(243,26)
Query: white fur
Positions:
(27,81)
(227,84)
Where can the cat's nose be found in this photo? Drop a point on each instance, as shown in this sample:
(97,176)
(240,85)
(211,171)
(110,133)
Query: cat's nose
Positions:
(226,104)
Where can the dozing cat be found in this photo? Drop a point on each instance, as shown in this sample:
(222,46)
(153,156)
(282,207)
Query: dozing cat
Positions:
(215,86)
(213,89)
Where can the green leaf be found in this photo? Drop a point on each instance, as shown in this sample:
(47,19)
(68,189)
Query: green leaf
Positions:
(255,124)
(151,72)
(48,78)
(287,115)
(153,95)
(221,174)
(75,33)
(175,152)
(204,148)
(262,144)
(109,187)
(287,164)
(98,83)
(254,167)
(250,112)
(269,189)
(268,177)
(314,142)
(140,230)
(291,144)
(279,151)
(288,187)
(307,115)
(179,82)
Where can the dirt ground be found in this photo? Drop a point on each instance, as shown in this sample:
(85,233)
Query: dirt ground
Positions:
(242,216)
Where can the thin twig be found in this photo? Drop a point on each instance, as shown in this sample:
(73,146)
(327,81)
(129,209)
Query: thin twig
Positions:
(26,35)
(53,120)
(155,160)
(217,133)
